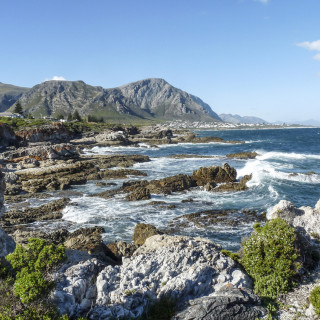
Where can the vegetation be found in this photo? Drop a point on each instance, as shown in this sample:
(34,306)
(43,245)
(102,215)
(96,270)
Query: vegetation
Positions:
(18,123)
(315,299)
(18,108)
(234,256)
(24,291)
(76,116)
(269,257)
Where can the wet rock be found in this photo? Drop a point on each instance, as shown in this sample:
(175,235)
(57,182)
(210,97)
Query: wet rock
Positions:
(214,174)
(49,211)
(168,185)
(139,193)
(187,200)
(210,186)
(242,155)
(143,231)
(208,218)
(187,156)
(21,236)
(233,186)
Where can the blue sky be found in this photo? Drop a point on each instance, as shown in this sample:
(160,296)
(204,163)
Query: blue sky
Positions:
(250,57)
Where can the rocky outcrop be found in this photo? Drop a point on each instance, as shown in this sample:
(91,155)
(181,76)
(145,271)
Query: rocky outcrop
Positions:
(60,174)
(50,211)
(168,185)
(142,232)
(40,153)
(140,193)
(7,136)
(55,132)
(214,174)
(191,271)
(242,155)
(7,244)
(228,303)
(304,219)
(231,186)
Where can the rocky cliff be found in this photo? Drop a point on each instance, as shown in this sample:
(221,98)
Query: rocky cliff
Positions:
(145,99)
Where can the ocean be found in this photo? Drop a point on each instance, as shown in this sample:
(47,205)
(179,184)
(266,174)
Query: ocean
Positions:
(287,167)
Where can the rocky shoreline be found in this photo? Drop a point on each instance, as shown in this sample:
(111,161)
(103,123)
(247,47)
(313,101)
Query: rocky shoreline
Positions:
(119,279)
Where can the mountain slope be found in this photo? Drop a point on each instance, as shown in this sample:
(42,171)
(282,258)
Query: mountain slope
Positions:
(9,94)
(236,119)
(145,99)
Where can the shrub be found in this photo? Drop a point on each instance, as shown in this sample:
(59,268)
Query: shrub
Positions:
(31,264)
(234,256)
(269,257)
(315,300)
(37,256)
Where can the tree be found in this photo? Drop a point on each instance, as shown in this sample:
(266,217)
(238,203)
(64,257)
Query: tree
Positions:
(76,116)
(60,116)
(69,116)
(18,108)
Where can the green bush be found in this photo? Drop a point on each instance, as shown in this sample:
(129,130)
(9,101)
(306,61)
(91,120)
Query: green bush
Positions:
(29,286)
(269,257)
(31,264)
(38,255)
(234,256)
(315,299)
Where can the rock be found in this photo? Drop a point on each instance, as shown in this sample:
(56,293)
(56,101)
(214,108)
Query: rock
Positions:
(139,193)
(143,231)
(7,244)
(229,303)
(7,136)
(305,219)
(210,186)
(56,237)
(182,268)
(90,240)
(215,174)
(49,211)
(55,132)
(75,289)
(242,155)
(122,249)
(234,186)
(43,152)
(168,185)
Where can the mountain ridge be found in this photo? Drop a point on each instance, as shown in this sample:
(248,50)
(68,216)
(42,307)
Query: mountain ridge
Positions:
(9,94)
(236,119)
(151,98)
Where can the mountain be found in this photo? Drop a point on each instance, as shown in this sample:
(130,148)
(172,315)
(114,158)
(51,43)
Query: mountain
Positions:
(9,94)
(236,119)
(145,99)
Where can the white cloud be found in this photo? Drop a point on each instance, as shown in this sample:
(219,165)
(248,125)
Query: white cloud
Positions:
(56,78)
(262,1)
(313,45)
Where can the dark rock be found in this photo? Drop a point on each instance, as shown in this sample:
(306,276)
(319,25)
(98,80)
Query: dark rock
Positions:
(234,186)
(214,174)
(139,193)
(49,211)
(7,136)
(122,249)
(187,200)
(243,155)
(168,185)
(229,303)
(142,232)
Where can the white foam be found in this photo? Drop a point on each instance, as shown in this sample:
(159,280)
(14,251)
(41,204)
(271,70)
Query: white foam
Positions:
(284,156)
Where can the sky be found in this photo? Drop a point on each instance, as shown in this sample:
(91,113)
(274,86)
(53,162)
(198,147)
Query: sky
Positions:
(248,57)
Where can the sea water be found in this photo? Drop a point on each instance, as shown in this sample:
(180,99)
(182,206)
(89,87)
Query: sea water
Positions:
(287,167)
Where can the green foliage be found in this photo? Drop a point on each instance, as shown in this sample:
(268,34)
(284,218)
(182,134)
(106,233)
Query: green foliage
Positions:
(4,272)
(37,256)
(269,257)
(31,263)
(92,118)
(60,116)
(234,256)
(76,116)
(315,299)
(18,108)
(31,285)
(18,124)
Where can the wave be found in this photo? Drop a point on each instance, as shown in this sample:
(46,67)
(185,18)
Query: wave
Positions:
(285,155)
